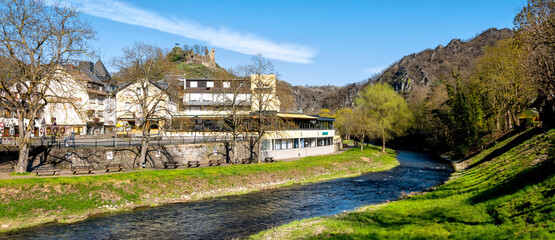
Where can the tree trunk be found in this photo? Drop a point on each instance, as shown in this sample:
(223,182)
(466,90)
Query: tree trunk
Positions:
(234,149)
(144,148)
(22,161)
(509,120)
(144,142)
(546,107)
(362,143)
(383,140)
(24,143)
(515,118)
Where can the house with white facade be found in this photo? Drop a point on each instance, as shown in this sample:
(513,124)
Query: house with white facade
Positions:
(157,97)
(78,103)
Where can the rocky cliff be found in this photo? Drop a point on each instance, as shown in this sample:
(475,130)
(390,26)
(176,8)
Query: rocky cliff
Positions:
(421,68)
(427,66)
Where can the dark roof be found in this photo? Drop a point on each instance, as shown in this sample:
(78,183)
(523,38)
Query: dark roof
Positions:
(324,119)
(82,74)
(101,72)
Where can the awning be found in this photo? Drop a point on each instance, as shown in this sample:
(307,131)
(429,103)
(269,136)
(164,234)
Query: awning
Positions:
(296,116)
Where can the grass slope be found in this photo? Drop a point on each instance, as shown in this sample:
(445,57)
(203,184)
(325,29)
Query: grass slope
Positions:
(31,201)
(505,192)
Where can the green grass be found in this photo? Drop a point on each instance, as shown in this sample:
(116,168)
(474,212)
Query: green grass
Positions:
(30,201)
(20,174)
(505,192)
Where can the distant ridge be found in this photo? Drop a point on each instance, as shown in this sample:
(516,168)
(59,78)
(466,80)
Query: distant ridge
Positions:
(430,65)
(421,69)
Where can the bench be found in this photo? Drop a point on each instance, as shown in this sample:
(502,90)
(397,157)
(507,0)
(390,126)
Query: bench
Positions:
(171,164)
(246,161)
(268,159)
(193,164)
(76,169)
(214,162)
(47,170)
(111,167)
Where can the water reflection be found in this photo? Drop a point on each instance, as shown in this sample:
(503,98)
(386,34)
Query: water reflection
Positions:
(240,216)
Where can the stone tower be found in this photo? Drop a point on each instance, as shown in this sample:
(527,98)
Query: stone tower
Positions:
(212,58)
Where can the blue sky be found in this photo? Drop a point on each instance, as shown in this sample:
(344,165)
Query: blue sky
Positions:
(310,42)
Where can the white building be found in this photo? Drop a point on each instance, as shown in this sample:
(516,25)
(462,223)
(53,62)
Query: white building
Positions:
(160,103)
(79,102)
(307,136)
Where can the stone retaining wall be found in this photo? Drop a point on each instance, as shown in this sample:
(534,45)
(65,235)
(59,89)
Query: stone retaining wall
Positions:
(128,156)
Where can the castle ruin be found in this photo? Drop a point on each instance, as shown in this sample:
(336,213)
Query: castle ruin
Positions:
(207,59)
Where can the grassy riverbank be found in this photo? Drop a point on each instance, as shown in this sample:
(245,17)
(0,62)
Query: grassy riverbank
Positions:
(504,192)
(31,201)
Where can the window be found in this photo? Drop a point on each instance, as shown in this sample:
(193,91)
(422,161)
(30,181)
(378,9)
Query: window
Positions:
(302,143)
(278,144)
(193,84)
(227,84)
(100,114)
(207,97)
(194,97)
(139,92)
(266,145)
(92,100)
(209,84)
(296,143)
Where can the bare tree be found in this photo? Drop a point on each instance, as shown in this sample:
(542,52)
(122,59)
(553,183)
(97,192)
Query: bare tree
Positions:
(197,49)
(535,25)
(35,41)
(265,104)
(235,101)
(149,101)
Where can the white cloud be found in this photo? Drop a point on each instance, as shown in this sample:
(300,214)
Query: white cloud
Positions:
(221,37)
(375,70)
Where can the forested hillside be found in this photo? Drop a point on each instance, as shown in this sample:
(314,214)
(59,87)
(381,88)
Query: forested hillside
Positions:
(418,69)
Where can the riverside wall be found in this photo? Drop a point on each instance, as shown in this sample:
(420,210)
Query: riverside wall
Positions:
(98,158)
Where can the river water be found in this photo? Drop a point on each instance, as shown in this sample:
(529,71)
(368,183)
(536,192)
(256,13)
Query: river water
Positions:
(243,215)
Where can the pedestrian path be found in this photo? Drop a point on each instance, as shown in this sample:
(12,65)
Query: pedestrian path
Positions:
(68,173)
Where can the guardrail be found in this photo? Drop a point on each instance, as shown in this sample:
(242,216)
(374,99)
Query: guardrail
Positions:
(123,142)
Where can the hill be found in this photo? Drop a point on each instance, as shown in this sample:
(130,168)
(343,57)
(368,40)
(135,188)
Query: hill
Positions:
(430,65)
(418,69)
(504,192)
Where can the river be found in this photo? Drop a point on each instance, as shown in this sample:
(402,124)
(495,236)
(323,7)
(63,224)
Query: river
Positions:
(243,215)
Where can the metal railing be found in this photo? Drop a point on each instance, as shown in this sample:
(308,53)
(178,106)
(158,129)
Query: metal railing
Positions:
(131,141)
